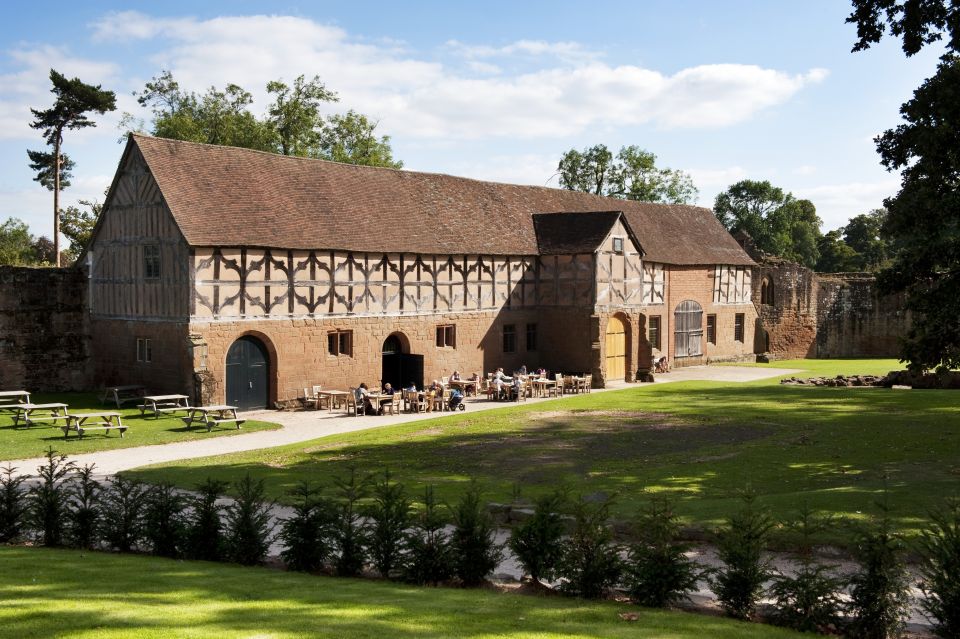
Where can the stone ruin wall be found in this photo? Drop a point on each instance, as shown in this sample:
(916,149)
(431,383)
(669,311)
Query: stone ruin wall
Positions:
(827,314)
(854,320)
(44,329)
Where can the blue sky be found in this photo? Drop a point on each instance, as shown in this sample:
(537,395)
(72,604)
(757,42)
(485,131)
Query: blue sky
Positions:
(498,90)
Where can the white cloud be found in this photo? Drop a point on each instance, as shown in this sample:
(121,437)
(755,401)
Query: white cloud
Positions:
(569,89)
(29,86)
(837,203)
(717,179)
(521,168)
(805,169)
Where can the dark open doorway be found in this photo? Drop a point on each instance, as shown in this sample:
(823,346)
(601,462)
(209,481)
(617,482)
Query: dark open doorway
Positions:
(248,374)
(400,367)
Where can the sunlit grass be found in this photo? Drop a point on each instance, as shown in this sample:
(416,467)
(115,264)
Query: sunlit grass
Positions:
(700,443)
(27,443)
(71,594)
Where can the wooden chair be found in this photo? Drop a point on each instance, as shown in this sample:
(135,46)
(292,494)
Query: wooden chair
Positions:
(309,399)
(556,388)
(353,408)
(413,401)
(390,405)
(587,382)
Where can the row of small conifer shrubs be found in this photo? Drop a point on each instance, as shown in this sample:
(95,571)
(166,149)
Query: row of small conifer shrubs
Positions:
(371,523)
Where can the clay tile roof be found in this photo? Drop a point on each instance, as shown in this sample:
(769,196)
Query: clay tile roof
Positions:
(567,233)
(225,196)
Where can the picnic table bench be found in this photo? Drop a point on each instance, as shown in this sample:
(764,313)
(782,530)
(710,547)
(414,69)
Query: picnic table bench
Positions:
(10,399)
(96,420)
(158,404)
(212,416)
(123,394)
(48,413)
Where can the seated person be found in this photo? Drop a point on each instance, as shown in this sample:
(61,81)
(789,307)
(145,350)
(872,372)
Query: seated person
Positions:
(516,388)
(410,388)
(541,372)
(361,395)
(388,389)
(522,370)
(455,377)
(661,365)
(433,391)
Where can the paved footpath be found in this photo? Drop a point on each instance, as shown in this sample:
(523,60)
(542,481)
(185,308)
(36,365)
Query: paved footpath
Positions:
(303,426)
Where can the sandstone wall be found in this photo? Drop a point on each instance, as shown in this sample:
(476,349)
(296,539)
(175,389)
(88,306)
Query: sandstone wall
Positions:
(44,333)
(807,314)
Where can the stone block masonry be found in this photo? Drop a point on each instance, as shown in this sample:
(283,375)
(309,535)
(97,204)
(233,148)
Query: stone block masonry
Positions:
(44,330)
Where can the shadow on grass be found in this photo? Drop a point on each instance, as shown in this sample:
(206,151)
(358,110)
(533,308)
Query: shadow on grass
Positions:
(699,443)
(68,593)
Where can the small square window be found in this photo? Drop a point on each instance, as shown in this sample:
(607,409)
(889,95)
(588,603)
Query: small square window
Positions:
(531,337)
(447,336)
(340,343)
(618,245)
(738,327)
(144,350)
(151,261)
(509,338)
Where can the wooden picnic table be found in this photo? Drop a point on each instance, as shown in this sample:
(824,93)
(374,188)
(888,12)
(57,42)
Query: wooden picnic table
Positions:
(94,420)
(158,404)
(10,399)
(212,416)
(123,394)
(541,384)
(336,398)
(49,413)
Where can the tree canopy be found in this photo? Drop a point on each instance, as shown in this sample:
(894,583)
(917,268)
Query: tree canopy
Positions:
(293,124)
(73,101)
(923,218)
(631,175)
(779,224)
(19,248)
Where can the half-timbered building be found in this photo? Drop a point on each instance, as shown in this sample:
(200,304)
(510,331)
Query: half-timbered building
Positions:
(264,274)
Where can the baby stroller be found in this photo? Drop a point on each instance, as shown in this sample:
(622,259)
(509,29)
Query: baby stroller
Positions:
(456,400)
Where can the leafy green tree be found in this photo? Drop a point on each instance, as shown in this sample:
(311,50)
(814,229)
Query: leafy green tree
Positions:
(924,217)
(739,583)
(293,124)
(74,100)
(44,163)
(351,138)
(16,243)
(216,117)
(779,224)
(836,256)
(631,175)
(917,22)
(295,115)
(475,551)
(77,224)
(863,233)
(659,573)
(940,569)
(536,542)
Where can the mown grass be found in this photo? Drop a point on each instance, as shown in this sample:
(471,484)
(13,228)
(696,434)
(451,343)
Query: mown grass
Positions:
(60,593)
(701,443)
(26,443)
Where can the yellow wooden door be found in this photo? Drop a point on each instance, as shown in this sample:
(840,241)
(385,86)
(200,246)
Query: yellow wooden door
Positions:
(616,349)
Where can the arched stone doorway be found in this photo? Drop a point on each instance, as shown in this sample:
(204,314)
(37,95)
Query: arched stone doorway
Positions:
(616,349)
(248,374)
(400,367)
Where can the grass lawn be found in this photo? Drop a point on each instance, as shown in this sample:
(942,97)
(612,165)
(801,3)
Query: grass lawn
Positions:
(64,593)
(699,442)
(26,443)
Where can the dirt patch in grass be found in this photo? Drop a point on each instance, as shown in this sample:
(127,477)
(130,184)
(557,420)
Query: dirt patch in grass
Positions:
(617,414)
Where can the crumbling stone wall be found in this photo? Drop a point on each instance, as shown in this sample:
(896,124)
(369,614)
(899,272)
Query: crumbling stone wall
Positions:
(808,314)
(44,332)
(854,320)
